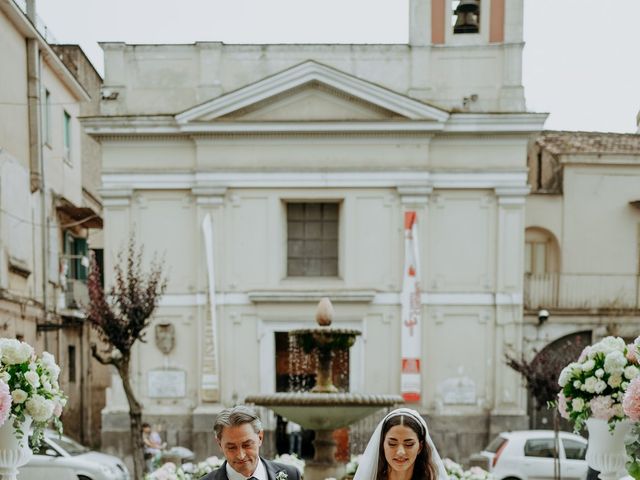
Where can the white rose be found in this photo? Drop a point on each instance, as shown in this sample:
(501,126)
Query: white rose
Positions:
(631,372)
(615,379)
(565,376)
(577,404)
(15,351)
(588,365)
(32,378)
(50,364)
(19,396)
(40,408)
(577,384)
(599,373)
(614,362)
(5,377)
(46,385)
(600,386)
(608,345)
(590,384)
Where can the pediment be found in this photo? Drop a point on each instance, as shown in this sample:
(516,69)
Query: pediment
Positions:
(313,101)
(312,92)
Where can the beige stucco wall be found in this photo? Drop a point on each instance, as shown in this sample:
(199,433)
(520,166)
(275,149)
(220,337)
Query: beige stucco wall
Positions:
(13,106)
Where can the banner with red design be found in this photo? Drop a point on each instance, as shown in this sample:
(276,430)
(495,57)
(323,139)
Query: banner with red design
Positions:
(411,346)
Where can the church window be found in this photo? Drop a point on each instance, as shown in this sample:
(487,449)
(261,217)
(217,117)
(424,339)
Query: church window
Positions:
(312,239)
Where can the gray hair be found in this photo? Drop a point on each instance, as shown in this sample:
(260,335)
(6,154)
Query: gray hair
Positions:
(235,416)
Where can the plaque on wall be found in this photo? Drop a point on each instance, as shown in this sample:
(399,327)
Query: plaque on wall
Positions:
(458,391)
(167,383)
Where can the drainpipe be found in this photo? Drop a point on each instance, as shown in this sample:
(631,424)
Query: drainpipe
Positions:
(36,160)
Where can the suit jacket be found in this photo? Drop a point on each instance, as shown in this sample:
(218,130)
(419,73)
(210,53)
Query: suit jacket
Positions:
(273,469)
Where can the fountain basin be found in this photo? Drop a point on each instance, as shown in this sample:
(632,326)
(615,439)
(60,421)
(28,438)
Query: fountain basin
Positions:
(324,411)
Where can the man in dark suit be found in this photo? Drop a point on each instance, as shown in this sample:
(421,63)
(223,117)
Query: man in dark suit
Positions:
(239,433)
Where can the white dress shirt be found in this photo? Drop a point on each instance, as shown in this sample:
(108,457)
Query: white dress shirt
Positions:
(260,473)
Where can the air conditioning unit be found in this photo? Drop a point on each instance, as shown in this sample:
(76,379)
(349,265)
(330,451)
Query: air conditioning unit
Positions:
(76,294)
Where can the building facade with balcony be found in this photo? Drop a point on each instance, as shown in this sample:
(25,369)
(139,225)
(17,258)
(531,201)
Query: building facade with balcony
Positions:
(582,239)
(273,175)
(49,209)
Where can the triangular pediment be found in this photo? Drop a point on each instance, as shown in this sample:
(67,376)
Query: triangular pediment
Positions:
(313,101)
(312,92)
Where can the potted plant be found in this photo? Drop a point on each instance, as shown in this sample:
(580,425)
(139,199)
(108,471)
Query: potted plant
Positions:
(30,398)
(592,393)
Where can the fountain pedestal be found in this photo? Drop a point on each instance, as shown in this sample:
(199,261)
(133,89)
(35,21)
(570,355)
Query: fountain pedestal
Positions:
(324,464)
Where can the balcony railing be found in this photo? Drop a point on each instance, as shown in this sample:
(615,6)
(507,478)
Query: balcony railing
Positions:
(581,291)
(76,294)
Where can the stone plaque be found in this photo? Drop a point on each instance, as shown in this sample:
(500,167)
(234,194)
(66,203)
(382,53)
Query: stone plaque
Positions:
(458,391)
(167,383)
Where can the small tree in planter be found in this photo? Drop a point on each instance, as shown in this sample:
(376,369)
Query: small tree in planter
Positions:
(121,318)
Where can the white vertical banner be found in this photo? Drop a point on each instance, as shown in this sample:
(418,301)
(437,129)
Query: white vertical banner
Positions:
(411,346)
(210,379)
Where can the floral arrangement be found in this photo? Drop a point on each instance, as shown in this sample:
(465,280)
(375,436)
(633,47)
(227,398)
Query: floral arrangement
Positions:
(594,386)
(631,408)
(188,471)
(29,387)
(352,466)
(455,471)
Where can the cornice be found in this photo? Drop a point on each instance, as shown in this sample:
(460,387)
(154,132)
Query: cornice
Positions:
(413,182)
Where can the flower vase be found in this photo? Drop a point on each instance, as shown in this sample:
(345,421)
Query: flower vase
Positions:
(606,450)
(14,452)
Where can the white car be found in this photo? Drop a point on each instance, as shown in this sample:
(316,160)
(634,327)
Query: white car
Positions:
(529,455)
(62,458)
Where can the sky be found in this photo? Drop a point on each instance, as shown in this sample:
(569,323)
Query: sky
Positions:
(581,59)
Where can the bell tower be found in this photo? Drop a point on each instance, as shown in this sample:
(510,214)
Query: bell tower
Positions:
(474,50)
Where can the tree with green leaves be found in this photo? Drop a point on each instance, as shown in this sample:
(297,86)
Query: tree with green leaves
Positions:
(121,316)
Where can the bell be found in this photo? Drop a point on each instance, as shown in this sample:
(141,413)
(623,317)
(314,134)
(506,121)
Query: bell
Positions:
(467,13)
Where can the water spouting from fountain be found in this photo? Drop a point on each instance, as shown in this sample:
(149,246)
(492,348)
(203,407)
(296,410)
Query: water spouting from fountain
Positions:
(324,407)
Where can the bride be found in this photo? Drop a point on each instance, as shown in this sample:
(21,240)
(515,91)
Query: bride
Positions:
(401,449)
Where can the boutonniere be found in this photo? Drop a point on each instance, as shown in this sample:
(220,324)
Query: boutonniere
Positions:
(282,475)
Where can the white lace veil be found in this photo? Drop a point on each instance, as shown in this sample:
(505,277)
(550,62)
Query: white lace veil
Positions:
(368,464)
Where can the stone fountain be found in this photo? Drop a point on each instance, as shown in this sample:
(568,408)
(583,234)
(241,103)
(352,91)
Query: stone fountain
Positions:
(324,408)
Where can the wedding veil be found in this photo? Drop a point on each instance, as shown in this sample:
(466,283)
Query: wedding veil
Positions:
(368,464)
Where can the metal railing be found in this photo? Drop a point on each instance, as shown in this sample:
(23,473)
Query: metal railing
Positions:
(581,291)
(76,294)
(40,25)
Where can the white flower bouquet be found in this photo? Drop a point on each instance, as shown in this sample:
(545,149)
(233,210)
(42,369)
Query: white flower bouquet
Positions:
(29,387)
(594,386)
(188,471)
(456,471)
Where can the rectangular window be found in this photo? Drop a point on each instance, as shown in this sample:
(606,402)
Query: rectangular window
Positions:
(312,239)
(540,447)
(535,257)
(76,254)
(71,358)
(67,136)
(46,118)
(574,450)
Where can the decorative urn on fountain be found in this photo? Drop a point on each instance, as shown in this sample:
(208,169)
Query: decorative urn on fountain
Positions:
(312,409)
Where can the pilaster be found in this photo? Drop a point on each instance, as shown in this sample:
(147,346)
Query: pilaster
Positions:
(510,396)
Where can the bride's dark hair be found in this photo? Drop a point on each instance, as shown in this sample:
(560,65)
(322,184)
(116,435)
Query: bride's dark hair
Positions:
(423,468)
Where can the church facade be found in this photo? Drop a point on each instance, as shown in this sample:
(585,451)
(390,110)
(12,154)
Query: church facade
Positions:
(273,175)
